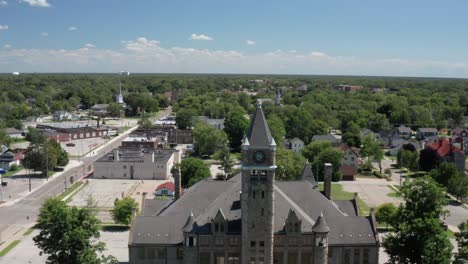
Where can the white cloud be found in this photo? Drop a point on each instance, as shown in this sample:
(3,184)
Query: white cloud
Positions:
(7,46)
(3,27)
(89,45)
(200,37)
(3,3)
(146,55)
(250,42)
(37,3)
(44,34)
(72,28)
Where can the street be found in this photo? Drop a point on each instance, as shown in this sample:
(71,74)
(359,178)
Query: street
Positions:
(19,215)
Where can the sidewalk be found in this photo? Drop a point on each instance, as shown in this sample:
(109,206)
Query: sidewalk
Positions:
(19,195)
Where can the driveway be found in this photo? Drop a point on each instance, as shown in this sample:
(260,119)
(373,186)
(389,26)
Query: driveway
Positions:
(371,190)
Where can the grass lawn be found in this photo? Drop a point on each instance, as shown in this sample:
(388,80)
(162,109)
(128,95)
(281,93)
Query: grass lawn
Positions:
(69,190)
(337,193)
(9,247)
(450,234)
(12,172)
(28,232)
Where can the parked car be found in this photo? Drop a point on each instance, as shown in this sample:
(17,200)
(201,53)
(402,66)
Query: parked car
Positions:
(70,144)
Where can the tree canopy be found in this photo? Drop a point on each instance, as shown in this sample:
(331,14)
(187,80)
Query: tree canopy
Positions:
(192,171)
(124,210)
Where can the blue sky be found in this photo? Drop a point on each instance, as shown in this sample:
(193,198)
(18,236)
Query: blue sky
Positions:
(369,37)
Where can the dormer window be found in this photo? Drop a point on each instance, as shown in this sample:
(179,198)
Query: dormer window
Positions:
(292,224)
(218,223)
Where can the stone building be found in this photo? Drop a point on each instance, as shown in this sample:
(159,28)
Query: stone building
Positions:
(252,218)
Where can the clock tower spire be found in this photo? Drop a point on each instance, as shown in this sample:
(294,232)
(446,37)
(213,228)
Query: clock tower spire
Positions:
(257,197)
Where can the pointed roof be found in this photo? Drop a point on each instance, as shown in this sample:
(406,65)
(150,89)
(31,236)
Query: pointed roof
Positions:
(308,175)
(321,225)
(220,215)
(259,133)
(189,223)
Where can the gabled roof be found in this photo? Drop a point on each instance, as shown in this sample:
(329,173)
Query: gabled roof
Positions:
(459,130)
(259,133)
(444,147)
(404,129)
(190,223)
(327,137)
(167,185)
(297,139)
(428,130)
(308,175)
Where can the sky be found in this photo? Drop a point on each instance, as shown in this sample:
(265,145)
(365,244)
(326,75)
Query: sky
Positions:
(335,37)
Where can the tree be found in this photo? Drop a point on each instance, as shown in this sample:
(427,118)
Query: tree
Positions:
(192,171)
(320,152)
(289,164)
(208,139)
(428,159)
(124,210)
(351,139)
(302,125)
(4,138)
(235,127)
(68,234)
(462,239)
(445,172)
(115,110)
(458,186)
(185,118)
(407,159)
(385,213)
(371,149)
(145,123)
(418,235)
(277,129)
(35,136)
(224,157)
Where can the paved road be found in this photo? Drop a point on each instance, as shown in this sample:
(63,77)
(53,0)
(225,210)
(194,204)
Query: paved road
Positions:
(23,212)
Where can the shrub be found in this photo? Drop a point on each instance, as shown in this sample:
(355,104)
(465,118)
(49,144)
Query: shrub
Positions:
(13,167)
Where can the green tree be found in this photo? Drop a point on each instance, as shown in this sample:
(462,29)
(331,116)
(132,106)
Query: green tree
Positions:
(277,129)
(185,118)
(235,126)
(407,159)
(320,152)
(35,136)
(462,239)
(115,110)
(372,149)
(145,123)
(124,210)
(458,186)
(351,139)
(385,213)
(4,138)
(289,165)
(445,172)
(68,234)
(192,171)
(208,139)
(224,157)
(418,235)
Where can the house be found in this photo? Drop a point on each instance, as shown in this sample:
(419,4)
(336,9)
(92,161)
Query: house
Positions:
(348,88)
(397,144)
(460,132)
(460,138)
(9,158)
(333,139)
(99,109)
(350,162)
(252,218)
(294,144)
(14,133)
(136,163)
(165,189)
(402,132)
(364,132)
(62,116)
(217,123)
(426,132)
(447,152)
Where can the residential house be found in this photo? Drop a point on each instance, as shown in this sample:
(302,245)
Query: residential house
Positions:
(447,152)
(425,132)
(460,132)
(99,109)
(9,158)
(348,88)
(350,162)
(397,144)
(136,163)
(62,116)
(253,218)
(14,133)
(294,144)
(217,123)
(333,139)
(402,132)
(460,138)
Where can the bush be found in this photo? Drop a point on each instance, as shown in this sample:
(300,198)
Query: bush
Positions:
(13,167)
(388,171)
(378,174)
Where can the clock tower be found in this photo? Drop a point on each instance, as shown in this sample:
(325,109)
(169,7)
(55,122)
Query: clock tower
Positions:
(257,197)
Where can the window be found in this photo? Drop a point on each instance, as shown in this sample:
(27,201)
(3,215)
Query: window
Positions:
(219,259)
(151,253)
(162,253)
(292,258)
(141,253)
(124,166)
(253,194)
(164,192)
(205,258)
(306,257)
(221,227)
(262,211)
(261,243)
(252,244)
(191,242)
(219,241)
(233,240)
(125,174)
(180,253)
(347,256)
(365,256)
(357,256)
(263,194)
(352,158)
(233,258)
(216,227)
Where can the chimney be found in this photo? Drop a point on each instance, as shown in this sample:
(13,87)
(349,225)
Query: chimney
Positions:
(327,180)
(177,181)
(116,155)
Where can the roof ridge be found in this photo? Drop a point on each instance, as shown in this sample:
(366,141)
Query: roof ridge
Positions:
(294,205)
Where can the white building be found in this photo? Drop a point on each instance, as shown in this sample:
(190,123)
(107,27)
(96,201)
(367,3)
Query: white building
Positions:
(217,123)
(136,163)
(296,145)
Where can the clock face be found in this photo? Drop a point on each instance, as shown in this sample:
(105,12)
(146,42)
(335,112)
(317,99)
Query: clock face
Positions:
(259,157)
